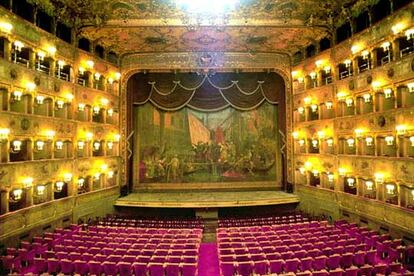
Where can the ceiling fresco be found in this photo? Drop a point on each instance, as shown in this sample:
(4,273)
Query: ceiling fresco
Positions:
(147,26)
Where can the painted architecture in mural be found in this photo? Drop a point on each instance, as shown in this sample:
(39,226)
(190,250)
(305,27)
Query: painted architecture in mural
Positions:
(188,146)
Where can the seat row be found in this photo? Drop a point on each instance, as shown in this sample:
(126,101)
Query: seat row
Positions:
(277,268)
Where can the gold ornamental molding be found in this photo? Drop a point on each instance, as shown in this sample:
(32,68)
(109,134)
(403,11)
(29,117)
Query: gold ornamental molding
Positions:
(221,61)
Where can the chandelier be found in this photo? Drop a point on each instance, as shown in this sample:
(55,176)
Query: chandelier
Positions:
(197,13)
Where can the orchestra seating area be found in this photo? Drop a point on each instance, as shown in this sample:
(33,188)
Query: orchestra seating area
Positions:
(114,246)
(304,247)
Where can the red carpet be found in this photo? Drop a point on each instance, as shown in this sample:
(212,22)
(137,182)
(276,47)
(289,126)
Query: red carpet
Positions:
(208,260)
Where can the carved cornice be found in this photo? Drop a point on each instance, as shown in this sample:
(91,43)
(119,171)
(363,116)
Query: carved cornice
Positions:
(222,61)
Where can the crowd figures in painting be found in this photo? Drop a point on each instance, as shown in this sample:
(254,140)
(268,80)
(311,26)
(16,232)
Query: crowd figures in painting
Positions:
(188,146)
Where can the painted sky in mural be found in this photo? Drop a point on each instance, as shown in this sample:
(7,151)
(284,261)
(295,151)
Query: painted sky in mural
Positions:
(189,146)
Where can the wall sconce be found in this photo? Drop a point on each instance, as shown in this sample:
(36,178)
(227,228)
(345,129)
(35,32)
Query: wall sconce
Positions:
(347,63)
(110,80)
(365,54)
(96,109)
(330,177)
(17,194)
(50,134)
(59,145)
(81,70)
(410,87)
(412,141)
(60,64)
(59,186)
(315,143)
(67,177)
(96,145)
(319,63)
(308,165)
(327,69)
(104,167)
(104,101)
(300,79)
(409,34)
(117,137)
(341,95)
(314,107)
(301,142)
(367,98)
(18,45)
(312,75)
(321,134)
(388,93)
(295,135)
(41,55)
(97,176)
(4,133)
(342,171)
(90,64)
(302,170)
(6,27)
(16,145)
(355,48)
(397,27)
(110,174)
(17,95)
(110,112)
(81,145)
(30,86)
(369,141)
(330,142)
(315,173)
(307,100)
(369,184)
(379,178)
(97,76)
(110,145)
(81,107)
(60,104)
(359,132)
(386,46)
(301,110)
(401,129)
(350,181)
(329,105)
(27,182)
(389,140)
(51,50)
(89,136)
(81,182)
(40,145)
(117,75)
(349,102)
(351,142)
(40,99)
(69,97)
(40,189)
(390,188)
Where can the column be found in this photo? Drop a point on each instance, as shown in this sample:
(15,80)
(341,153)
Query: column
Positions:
(7,49)
(319,79)
(52,67)
(395,46)
(374,61)
(29,197)
(50,191)
(4,208)
(355,66)
(89,82)
(32,59)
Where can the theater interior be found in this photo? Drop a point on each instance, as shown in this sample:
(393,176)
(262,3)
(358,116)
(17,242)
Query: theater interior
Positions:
(207,138)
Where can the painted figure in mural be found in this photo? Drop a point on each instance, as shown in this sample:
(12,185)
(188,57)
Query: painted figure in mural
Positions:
(173,169)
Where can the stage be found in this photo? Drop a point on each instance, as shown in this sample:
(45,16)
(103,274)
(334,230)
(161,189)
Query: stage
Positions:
(206,199)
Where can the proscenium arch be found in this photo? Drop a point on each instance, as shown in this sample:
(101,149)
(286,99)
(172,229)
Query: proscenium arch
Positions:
(137,81)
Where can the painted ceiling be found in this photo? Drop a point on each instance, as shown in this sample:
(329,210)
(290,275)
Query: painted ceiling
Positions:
(148,26)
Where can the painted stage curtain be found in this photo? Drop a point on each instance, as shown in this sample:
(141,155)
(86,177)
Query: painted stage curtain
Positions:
(170,92)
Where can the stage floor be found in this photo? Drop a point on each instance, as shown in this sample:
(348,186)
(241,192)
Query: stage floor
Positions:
(204,199)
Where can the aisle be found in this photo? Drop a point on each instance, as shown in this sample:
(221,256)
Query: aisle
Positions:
(208,260)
